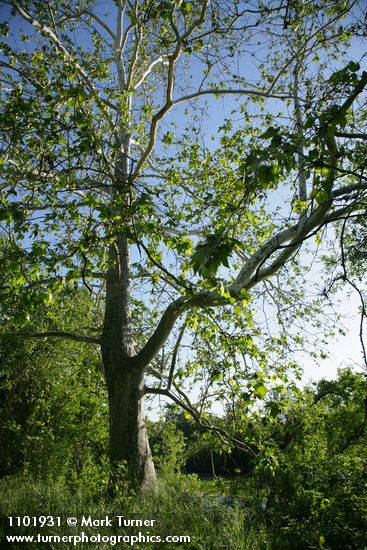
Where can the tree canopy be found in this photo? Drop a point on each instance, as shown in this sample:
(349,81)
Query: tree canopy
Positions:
(116,176)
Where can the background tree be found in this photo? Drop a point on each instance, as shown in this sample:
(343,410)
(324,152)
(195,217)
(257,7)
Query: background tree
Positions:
(54,421)
(316,494)
(99,184)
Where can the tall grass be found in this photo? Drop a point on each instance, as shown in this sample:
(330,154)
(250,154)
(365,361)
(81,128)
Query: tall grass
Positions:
(178,505)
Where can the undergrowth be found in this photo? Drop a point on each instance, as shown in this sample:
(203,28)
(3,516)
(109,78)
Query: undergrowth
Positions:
(178,505)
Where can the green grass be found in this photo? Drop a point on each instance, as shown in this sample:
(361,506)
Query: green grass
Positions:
(180,505)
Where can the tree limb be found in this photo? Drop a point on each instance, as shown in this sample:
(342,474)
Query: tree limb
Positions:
(351,135)
(174,356)
(228,91)
(223,434)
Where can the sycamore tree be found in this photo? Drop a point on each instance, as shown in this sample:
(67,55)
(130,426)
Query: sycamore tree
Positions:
(110,179)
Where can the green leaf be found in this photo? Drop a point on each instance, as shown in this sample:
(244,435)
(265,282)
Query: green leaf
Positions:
(267,173)
(320,195)
(212,253)
(270,133)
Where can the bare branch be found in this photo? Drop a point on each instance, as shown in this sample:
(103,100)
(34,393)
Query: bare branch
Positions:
(175,354)
(348,189)
(134,58)
(228,91)
(119,46)
(100,22)
(152,138)
(183,233)
(351,135)
(147,72)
